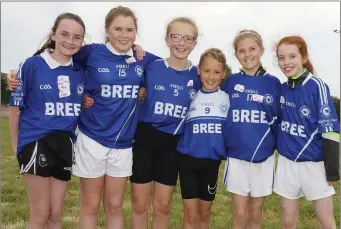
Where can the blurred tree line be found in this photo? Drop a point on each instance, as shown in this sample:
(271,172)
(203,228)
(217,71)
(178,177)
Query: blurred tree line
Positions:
(5,94)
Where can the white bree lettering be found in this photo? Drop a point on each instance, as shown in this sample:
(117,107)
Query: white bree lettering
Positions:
(118,91)
(207,128)
(62,109)
(293,129)
(253,116)
(169,109)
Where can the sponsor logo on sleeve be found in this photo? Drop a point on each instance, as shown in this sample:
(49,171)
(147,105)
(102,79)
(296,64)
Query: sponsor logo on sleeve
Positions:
(326,111)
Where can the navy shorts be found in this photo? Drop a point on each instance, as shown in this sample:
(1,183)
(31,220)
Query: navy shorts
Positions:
(155,156)
(198,177)
(51,156)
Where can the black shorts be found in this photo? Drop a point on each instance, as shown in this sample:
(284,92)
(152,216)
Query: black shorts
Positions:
(198,177)
(51,156)
(155,157)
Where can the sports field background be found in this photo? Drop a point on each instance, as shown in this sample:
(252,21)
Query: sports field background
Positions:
(14,206)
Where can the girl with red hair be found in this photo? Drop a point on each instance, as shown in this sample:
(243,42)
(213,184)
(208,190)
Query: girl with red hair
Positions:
(308,137)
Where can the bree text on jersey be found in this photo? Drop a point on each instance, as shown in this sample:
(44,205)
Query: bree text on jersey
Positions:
(293,129)
(207,128)
(169,109)
(62,109)
(251,116)
(119,91)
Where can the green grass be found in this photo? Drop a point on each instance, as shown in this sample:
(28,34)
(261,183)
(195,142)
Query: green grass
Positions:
(14,204)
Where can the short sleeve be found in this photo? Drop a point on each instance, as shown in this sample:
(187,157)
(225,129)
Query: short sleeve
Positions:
(24,75)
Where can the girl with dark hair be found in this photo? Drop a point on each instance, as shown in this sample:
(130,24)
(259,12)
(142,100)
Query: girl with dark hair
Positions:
(43,115)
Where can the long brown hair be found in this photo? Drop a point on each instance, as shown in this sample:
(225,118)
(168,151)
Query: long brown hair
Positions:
(51,44)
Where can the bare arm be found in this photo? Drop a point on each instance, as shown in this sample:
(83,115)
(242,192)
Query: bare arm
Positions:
(13,126)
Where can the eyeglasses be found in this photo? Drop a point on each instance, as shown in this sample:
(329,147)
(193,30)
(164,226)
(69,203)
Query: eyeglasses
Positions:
(178,37)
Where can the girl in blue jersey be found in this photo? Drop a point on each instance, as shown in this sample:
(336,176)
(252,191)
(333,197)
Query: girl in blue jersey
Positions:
(308,138)
(202,144)
(250,133)
(47,105)
(103,151)
(171,85)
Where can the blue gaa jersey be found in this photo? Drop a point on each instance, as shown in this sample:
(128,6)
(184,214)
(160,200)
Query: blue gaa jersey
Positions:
(251,130)
(49,98)
(202,136)
(113,81)
(307,112)
(169,94)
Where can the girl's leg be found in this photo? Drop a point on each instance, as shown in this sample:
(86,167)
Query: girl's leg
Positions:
(255,212)
(58,190)
(204,214)
(161,205)
(38,192)
(324,213)
(191,210)
(140,202)
(290,210)
(114,188)
(240,211)
(91,193)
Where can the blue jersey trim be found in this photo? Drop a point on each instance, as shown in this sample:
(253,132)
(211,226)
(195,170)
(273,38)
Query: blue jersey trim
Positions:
(125,123)
(307,144)
(260,142)
(207,117)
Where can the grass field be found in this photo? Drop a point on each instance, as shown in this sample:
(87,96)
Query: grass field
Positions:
(14,204)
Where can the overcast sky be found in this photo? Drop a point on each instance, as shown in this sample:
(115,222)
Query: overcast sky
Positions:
(25,25)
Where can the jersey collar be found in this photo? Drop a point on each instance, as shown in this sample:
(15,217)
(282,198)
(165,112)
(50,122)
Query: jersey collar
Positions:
(51,62)
(189,67)
(260,72)
(301,80)
(114,51)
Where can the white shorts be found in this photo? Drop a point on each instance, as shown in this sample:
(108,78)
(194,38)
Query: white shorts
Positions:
(93,160)
(297,179)
(249,179)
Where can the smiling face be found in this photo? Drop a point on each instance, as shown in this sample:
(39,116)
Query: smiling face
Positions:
(181,48)
(122,33)
(68,37)
(211,73)
(290,60)
(249,53)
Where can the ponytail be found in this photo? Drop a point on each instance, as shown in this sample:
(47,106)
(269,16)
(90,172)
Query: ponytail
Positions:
(309,66)
(49,44)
